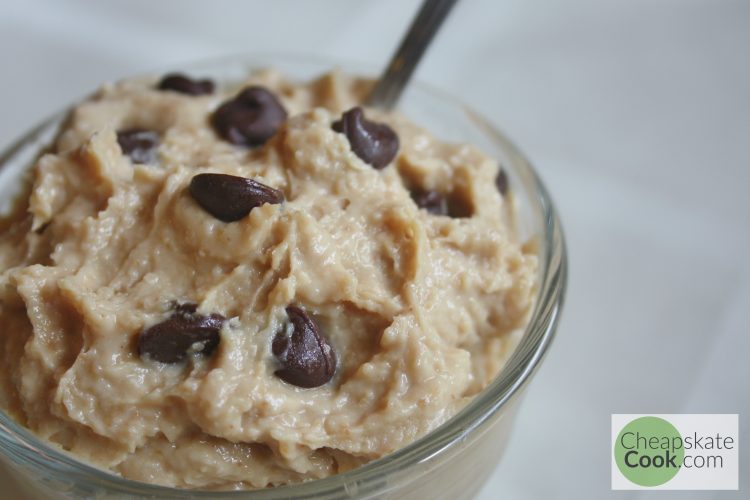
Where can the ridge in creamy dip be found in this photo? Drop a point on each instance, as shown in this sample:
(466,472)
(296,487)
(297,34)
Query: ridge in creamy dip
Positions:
(252,286)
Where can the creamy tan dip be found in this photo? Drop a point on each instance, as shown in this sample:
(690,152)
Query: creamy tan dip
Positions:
(406,312)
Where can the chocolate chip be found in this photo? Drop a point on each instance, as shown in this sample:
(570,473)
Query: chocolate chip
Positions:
(306,357)
(452,205)
(251,118)
(432,201)
(139,144)
(184,85)
(374,143)
(230,198)
(183,332)
(501,181)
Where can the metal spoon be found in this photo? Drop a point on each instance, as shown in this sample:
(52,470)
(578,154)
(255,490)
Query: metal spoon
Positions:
(391,83)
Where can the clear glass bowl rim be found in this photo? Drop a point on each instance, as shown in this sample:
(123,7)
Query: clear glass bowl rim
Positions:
(517,372)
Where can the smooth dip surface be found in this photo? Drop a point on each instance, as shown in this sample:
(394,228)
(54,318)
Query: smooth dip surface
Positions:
(338,285)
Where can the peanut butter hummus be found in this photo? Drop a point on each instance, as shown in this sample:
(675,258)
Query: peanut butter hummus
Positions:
(253,285)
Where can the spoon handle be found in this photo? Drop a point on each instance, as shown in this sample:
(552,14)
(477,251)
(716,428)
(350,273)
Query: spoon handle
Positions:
(388,88)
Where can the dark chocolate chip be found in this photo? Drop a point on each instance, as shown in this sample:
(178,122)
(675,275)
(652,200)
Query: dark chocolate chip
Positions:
(501,181)
(437,203)
(432,201)
(250,118)
(183,332)
(374,143)
(139,144)
(230,198)
(306,358)
(178,82)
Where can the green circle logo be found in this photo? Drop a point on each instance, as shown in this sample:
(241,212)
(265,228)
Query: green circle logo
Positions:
(649,451)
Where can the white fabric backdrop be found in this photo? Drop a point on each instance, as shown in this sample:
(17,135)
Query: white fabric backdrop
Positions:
(636,113)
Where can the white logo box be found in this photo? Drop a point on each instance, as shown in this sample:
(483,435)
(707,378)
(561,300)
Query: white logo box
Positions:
(725,477)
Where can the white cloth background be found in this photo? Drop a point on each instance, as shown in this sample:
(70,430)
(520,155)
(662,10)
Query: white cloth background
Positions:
(637,115)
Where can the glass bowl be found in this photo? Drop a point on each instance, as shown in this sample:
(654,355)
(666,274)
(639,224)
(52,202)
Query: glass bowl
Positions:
(452,461)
